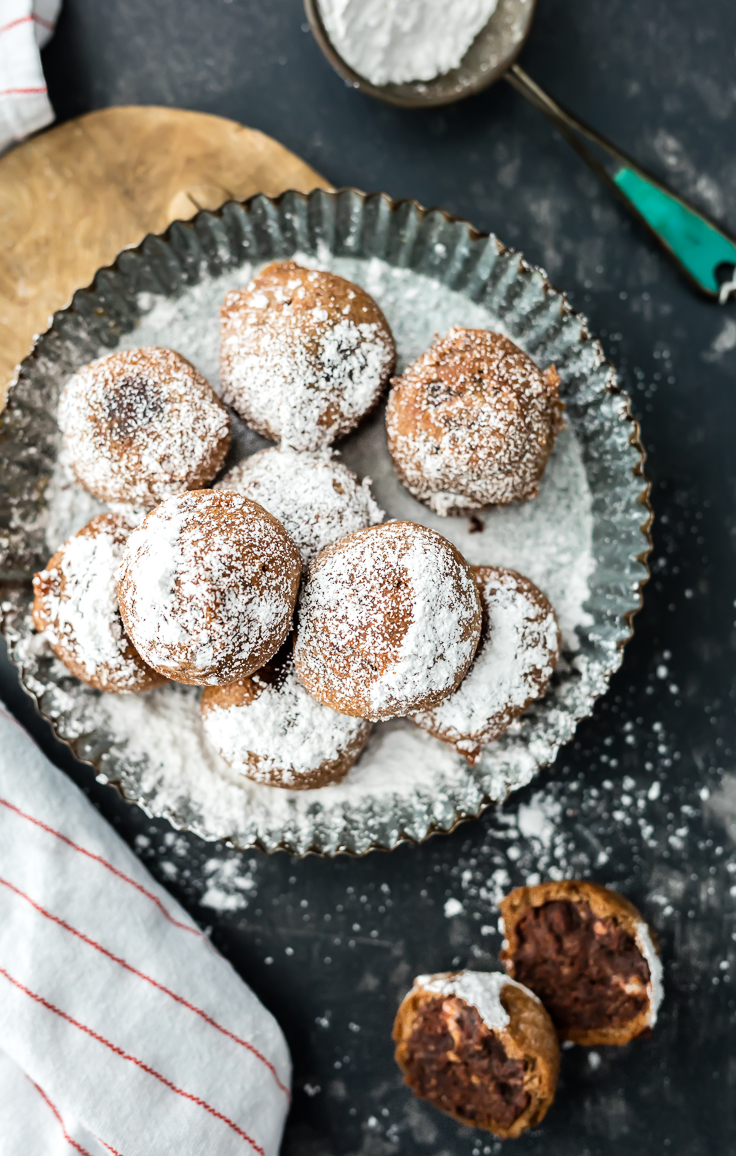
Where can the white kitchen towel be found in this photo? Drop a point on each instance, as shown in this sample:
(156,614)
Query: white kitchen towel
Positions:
(122,1029)
(25,26)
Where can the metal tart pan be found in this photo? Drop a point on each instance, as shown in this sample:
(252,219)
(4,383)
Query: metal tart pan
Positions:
(440,270)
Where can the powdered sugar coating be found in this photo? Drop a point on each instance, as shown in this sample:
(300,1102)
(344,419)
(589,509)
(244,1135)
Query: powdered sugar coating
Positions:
(276,733)
(396,43)
(389,621)
(516,657)
(314,496)
(304,354)
(472,422)
(480,989)
(655,987)
(207,587)
(405,781)
(76,607)
(142,425)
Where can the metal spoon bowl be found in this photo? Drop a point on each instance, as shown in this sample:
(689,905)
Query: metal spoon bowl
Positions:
(492,52)
(701,248)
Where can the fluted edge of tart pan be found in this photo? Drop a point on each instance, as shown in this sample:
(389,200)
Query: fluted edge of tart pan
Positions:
(435,245)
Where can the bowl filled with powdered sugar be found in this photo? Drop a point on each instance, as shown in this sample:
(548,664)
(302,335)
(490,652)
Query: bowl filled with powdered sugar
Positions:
(429,52)
(582,541)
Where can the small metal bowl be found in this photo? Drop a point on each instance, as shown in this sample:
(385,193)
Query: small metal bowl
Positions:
(494,49)
(428,270)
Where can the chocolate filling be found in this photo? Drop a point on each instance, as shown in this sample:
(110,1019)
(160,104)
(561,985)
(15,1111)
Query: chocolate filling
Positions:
(455,1061)
(587,971)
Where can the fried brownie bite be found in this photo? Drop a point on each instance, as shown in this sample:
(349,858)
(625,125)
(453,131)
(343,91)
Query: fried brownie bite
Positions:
(480,1047)
(207,587)
(75,605)
(141,425)
(589,956)
(472,423)
(305,354)
(389,620)
(270,729)
(516,657)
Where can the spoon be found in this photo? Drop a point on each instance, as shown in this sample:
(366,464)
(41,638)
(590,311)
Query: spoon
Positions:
(701,249)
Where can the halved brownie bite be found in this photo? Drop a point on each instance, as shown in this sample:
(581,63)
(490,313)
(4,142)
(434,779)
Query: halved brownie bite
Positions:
(480,1047)
(589,956)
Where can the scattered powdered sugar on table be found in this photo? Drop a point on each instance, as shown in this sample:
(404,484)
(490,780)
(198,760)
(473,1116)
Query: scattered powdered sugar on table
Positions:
(160,734)
(481,989)
(392,41)
(226,885)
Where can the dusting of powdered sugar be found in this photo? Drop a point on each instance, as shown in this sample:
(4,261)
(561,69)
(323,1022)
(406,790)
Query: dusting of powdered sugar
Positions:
(513,665)
(438,642)
(390,41)
(193,590)
(458,447)
(480,989)
(313,495)
(140,425)
(655,987)
(295,370)
(283,729)
(405,782)
(362,587)
(79,602)
(159,741)
(68,506)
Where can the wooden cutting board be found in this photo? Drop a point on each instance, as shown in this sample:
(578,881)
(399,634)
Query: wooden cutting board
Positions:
(73,197)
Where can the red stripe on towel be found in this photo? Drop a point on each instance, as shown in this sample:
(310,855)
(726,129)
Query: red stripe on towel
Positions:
(134,1060)
(57,1114)
(15,23)
(99,859)
(104,1145)
(21,91)
(142,975)
(27,20)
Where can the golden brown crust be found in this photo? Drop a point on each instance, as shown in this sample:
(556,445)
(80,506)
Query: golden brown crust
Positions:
(604,903)
(529,1037)
(472,423)
(294,361)
(357,608)
(233,694)
(127,673)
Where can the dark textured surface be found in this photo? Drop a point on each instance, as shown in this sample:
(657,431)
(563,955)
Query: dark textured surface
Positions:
(331,946)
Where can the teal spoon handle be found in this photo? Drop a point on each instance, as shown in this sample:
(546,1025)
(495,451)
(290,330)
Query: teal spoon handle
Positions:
(702,249)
